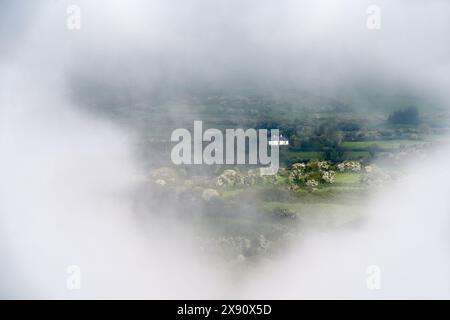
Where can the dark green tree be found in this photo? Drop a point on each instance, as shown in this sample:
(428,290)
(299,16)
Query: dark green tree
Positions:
(408,116)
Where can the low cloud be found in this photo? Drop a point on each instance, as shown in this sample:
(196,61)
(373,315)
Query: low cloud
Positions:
(71,179)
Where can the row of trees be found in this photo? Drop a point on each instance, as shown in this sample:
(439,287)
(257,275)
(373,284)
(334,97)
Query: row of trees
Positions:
(327,136)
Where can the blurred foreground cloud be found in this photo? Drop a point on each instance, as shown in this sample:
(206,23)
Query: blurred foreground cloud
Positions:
(70,177)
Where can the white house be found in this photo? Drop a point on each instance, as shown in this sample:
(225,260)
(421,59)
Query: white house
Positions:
(281,141)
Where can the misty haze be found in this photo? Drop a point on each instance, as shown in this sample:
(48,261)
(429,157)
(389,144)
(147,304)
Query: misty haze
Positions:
(93,204)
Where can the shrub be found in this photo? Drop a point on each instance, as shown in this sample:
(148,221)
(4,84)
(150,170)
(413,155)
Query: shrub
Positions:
(409,116)
(311,174)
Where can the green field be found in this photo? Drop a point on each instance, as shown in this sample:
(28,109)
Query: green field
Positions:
(304,155)
(382,144)
(347,178)
(355,155)
(354,150)
(298,156)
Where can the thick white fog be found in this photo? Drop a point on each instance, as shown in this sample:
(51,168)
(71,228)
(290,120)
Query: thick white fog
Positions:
(406,236)
(69,178)
(68,199)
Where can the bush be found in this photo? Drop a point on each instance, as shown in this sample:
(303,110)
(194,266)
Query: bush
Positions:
(409,116)
(373,149)
(311,174)
(349,126)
